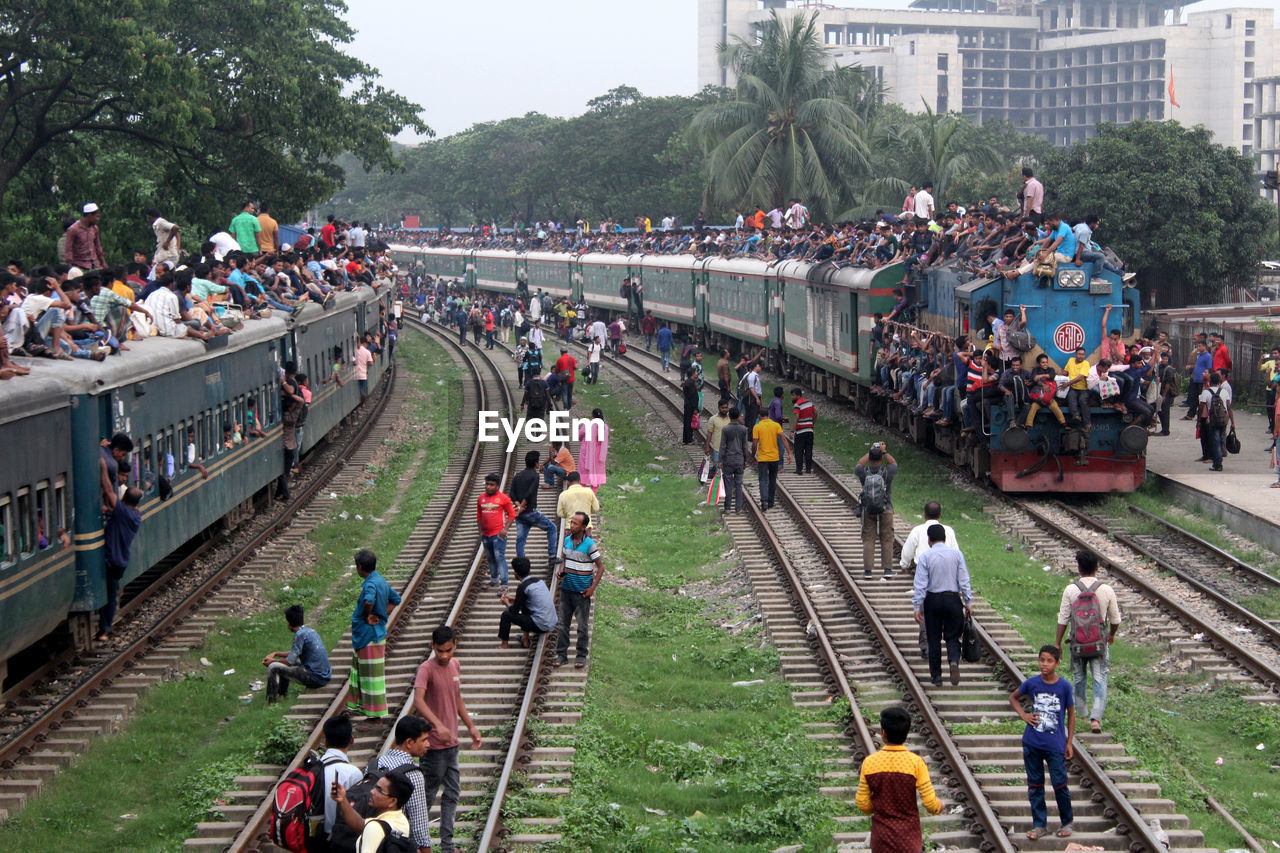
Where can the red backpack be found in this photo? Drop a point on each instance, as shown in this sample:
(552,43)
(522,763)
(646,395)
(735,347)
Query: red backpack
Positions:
(1086,623)
(297,808)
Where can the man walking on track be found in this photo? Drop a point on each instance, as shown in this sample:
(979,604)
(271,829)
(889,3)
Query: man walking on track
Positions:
(876,470)
(524,497)
(437,697)
(494,511)
(802,432)
(367,692)
(940,597)
(1089,608)
(764,447)
(580,574)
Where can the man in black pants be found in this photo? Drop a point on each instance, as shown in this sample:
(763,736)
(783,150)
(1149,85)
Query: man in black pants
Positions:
(802,433)
(941,596)
(531,608)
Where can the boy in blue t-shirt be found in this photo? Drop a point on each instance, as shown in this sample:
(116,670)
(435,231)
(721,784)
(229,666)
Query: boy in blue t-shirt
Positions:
(1051,726)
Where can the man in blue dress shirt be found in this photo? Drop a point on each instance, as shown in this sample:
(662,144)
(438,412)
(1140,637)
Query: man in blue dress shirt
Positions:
(940,597)
(306,663)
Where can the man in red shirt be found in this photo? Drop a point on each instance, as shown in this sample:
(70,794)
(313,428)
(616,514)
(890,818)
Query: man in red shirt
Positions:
(329,233)
(1221,355)
(802,433)
(566,365)
(494,511)
(648,328)
(437,697)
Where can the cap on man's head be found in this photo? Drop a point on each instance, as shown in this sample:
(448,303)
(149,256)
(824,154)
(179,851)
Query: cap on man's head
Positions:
(90,208)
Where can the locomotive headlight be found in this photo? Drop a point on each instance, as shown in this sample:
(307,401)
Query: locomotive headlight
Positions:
(1071,279)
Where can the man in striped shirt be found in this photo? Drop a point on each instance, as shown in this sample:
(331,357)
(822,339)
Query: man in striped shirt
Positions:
(580,574)
(802,433)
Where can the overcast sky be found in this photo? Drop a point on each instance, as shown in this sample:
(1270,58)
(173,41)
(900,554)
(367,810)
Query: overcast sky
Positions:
(466,61)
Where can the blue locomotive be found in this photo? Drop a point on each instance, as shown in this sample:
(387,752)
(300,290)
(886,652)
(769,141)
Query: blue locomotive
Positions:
(51,422)
(816,322)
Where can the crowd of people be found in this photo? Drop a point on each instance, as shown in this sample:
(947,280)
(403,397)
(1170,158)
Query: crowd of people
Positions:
(84,305)
(984,238)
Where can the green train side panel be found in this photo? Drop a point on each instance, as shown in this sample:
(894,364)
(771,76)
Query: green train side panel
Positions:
(669,293)
(496,273)
(550,273)
(601,281)
(737,305)
(878,299)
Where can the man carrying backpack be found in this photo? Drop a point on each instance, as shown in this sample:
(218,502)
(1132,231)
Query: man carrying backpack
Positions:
(876,470)
(387,828)
(1088,607)
(1215,414)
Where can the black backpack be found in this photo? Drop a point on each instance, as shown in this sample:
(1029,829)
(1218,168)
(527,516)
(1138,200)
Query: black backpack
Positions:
(875,493)
(344,838)
(1218,417)
(394,843)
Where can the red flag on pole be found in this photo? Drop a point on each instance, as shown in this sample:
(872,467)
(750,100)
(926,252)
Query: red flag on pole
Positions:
(1172,99)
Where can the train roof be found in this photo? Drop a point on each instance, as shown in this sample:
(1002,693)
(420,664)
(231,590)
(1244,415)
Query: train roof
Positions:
(602,259)
(157,355)
(27,396)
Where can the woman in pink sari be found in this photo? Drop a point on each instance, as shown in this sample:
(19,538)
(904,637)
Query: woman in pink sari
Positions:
(593,450)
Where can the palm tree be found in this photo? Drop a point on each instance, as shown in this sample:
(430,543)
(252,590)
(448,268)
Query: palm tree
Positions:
(931,146)
(793,126)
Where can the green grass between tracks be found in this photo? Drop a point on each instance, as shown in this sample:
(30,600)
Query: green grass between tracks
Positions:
(670,756)
(144,788)
(1177,724)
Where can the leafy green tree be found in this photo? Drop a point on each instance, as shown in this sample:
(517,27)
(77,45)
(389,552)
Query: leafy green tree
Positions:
(933,147)
(793,127)
(1180,210)
(206,102)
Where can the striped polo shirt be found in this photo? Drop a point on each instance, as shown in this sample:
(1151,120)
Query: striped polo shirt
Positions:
(805,412)
(579,563)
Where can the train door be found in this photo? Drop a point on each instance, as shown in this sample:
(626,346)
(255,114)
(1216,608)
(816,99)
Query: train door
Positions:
(849,332)
(701,294)
(823,315)
(973,301)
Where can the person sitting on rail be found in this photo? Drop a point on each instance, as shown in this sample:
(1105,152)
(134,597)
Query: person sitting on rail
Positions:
(531,607)
(306,663)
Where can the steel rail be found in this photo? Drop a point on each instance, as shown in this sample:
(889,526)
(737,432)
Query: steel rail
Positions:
(65,709)
(1234,561)
(256,826)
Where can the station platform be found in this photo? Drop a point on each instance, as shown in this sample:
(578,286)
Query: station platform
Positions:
(1240,496)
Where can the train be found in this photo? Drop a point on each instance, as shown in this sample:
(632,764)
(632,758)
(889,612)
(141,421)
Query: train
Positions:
(815,323)
(53,421)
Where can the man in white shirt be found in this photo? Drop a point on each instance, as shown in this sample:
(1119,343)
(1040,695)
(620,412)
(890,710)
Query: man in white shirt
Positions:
(924,201)
(223,244)
(536,336)
(535,308)
(168,239)
(356,235)
(338,738)
(918,539)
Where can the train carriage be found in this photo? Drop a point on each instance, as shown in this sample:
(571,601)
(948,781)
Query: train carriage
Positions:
(551,272)
(601,279)
(497,271)
(444,262)
(670,285)
(740,301)
(37,574)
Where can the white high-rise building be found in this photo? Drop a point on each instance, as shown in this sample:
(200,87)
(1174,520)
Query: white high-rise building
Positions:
(1052,67)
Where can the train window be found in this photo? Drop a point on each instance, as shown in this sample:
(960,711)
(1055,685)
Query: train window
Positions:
(26,539)
(44,526)
(60,520)
(8,539)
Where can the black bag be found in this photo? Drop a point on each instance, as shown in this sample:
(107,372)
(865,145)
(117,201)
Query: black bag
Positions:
(1021,340)
(343,837)
(970,647)
(924,644)
(1231,442)
(393,843)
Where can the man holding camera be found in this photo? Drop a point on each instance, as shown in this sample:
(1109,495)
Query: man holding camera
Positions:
(876,470)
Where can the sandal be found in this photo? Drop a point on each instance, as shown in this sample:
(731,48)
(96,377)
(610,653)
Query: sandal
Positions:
(1065,832)
(559,663)
(1037,832)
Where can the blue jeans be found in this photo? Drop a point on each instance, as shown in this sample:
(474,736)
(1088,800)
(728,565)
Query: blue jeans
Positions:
(648,343)
(1096,669)
(1034,760)
(768,474)
(1099,260)
(550,472)
(666,358)
(566,388)
(532,518)
(1215,444)
(495,551)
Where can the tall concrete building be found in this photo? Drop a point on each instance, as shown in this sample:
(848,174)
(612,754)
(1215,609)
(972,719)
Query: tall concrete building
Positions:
(1052,67)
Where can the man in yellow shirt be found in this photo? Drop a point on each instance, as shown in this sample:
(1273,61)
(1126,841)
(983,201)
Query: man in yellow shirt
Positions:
(576,498)
(764,447)
(1078,391)
(268,237)
(887,786)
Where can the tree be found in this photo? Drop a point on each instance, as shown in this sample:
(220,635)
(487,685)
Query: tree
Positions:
(210,101)
(792,129)
(1180,210)
(929,146)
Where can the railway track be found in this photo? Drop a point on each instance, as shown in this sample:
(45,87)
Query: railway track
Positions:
(967,736)
(58,713)
(504,689)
